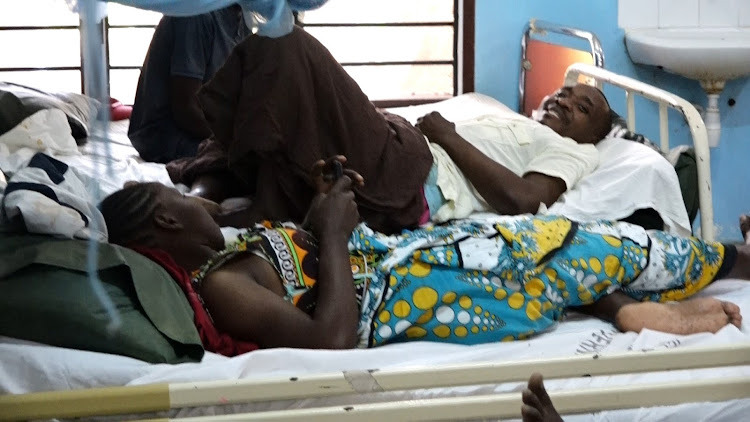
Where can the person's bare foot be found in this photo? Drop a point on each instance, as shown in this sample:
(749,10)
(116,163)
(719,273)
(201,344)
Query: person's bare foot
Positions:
(537,406)
(692,316)
(745,227)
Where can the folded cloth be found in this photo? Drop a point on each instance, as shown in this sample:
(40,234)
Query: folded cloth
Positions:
(49,197)
(280,104)
(46,131)
(17,102)
(213,340)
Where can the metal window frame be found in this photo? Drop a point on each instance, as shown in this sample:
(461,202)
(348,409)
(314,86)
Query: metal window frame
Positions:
(462,61)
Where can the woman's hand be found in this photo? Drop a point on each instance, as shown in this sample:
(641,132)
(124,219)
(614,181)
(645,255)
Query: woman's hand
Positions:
(335,212)
(323,208)
(323,173)
(436,128)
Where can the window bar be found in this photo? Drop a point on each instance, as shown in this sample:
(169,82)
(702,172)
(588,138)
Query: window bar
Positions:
(456,27)
(630,99)
(663,127)
(106,55)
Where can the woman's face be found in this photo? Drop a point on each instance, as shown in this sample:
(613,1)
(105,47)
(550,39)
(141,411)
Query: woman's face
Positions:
(195,215)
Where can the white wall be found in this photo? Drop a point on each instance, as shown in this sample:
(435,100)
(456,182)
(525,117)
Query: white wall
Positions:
(683,13)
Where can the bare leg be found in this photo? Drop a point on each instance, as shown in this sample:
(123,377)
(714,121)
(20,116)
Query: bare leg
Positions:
(688,317)
(537,406)
(692,316)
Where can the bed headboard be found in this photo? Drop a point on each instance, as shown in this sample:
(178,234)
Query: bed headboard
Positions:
(543,63)
(665,99)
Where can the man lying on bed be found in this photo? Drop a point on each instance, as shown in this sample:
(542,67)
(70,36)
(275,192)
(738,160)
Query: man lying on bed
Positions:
(277,105)
(338,284)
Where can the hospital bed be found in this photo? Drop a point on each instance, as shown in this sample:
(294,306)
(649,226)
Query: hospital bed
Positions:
(593,372)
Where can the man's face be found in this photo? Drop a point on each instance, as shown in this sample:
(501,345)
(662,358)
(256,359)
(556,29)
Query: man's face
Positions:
(579,112)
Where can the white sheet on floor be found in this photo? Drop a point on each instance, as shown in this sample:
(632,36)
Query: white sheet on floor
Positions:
(27,367)
(629,177)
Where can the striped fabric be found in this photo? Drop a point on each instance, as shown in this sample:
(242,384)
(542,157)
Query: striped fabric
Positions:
(49,197)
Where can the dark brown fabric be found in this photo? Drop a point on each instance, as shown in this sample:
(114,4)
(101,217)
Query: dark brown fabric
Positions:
(211,158)
(280,104)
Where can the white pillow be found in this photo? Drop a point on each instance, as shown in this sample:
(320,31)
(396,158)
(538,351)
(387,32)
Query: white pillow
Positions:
(630,176)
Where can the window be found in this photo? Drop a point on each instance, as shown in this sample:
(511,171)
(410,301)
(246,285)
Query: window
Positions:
(129,33)
(403,52)
(49,57)
(41,45)
(395,49)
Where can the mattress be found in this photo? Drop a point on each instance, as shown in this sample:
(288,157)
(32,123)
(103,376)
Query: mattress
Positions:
(29,367)
(113,158)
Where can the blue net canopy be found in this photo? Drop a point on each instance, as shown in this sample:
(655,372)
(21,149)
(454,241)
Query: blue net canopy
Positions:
(271,18)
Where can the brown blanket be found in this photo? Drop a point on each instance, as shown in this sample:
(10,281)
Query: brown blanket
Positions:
(280,104)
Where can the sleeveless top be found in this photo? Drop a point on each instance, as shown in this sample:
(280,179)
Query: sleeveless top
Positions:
(293,253)
(417,284)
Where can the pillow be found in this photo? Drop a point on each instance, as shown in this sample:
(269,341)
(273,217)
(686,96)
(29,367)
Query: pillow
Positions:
(620,130)
(18,102)
(47,298)
(683,161)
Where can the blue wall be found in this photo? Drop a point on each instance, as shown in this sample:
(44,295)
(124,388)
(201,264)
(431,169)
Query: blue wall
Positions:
(499,26)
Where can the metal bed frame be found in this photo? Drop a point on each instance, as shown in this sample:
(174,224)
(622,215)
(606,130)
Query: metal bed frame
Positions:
(633,87)
(163,397)
(539,27)
(665,100)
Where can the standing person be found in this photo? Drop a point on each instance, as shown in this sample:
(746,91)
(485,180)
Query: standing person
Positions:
(185,52)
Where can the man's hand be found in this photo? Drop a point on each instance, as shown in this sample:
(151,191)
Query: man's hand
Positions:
(436,128)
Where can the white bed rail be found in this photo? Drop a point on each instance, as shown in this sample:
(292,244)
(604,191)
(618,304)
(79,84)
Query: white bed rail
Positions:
(665,99)
(163,397)
(502,406)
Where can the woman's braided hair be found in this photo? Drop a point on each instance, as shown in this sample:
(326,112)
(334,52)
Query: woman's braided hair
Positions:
(128,212)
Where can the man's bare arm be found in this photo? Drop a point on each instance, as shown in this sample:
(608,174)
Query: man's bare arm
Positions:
(506,192)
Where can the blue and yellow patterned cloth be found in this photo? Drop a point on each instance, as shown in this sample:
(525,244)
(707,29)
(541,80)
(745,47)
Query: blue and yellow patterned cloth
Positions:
(497,278)
(507,278)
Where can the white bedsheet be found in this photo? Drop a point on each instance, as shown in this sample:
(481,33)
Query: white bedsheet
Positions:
(27,367)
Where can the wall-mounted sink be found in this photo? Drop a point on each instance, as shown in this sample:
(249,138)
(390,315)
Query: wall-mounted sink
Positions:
(713,54)
(709,55)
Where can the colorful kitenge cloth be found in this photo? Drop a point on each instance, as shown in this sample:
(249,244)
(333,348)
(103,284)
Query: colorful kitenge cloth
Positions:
(497,278)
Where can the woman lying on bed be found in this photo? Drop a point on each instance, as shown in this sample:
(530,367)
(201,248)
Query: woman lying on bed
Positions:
(338,284)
